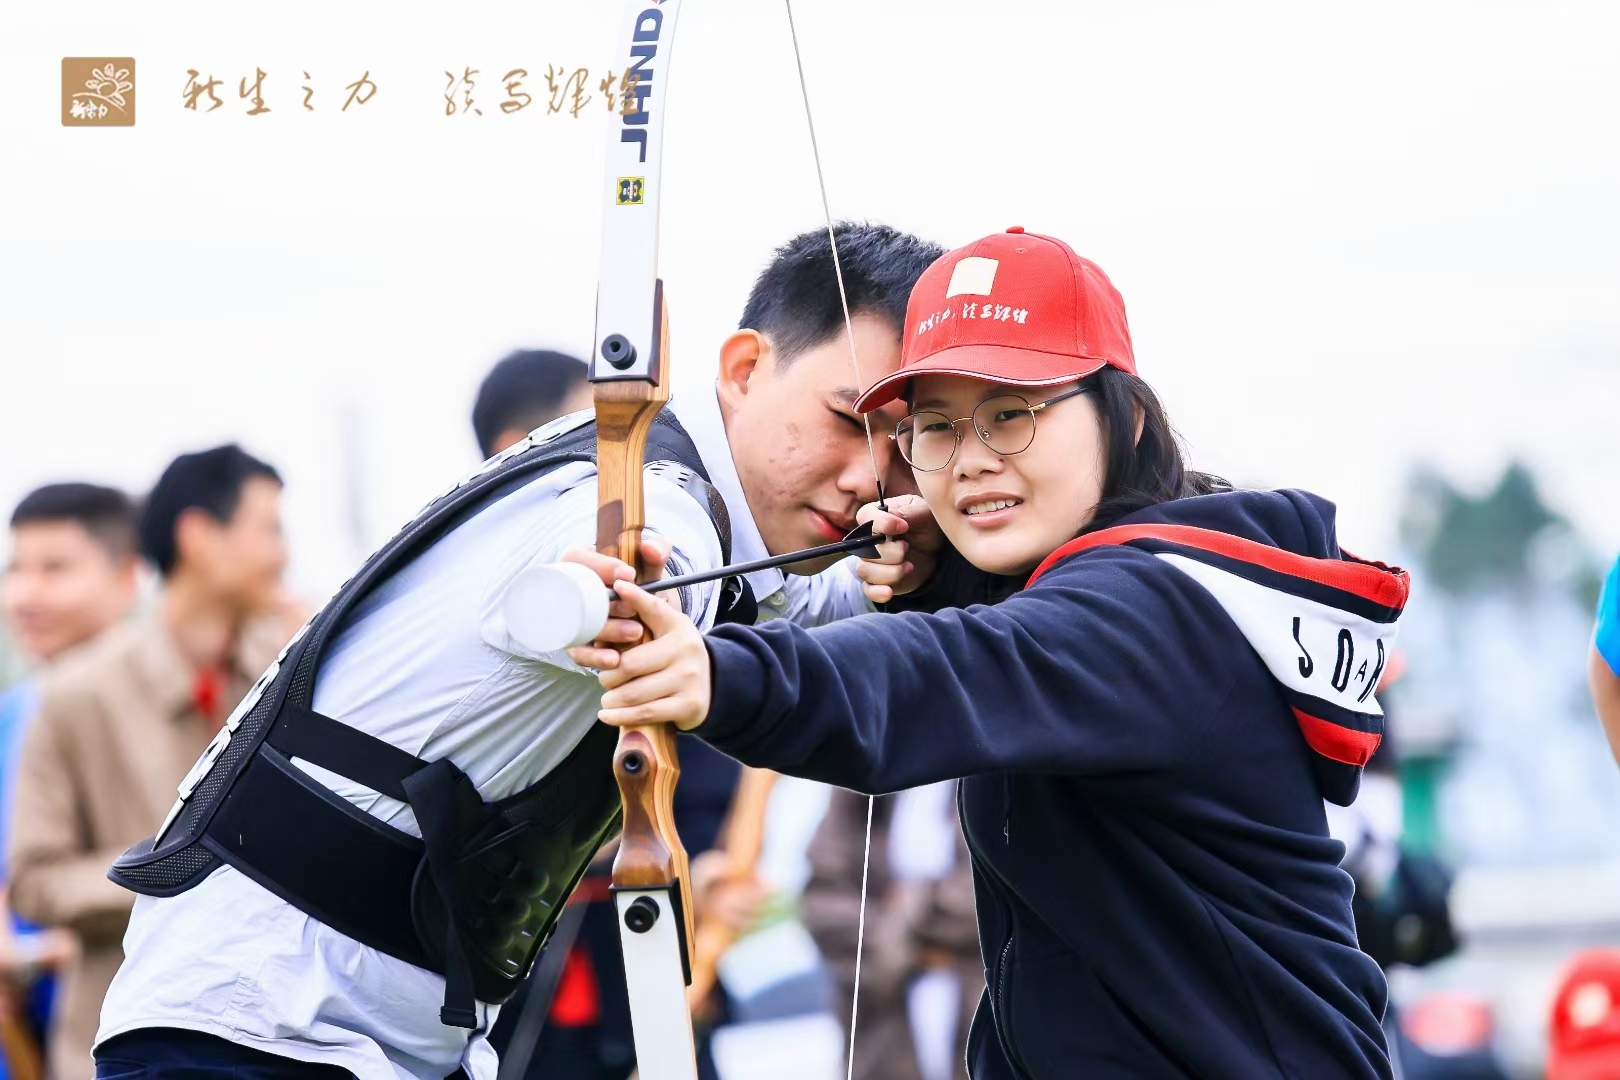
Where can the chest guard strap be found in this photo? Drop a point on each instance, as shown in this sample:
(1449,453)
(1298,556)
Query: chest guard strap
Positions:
(475,897)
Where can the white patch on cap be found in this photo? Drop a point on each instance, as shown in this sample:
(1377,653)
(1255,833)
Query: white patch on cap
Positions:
(973,275)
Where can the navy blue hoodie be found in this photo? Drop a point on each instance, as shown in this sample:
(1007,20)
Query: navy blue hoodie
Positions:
(1158,895)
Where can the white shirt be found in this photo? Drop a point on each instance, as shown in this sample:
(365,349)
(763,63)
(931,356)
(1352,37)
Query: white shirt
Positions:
(424,662)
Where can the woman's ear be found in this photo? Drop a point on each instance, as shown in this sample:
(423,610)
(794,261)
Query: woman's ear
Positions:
(1141,421)
(740,357)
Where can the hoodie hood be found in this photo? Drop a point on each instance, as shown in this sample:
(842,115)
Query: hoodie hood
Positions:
(1322,620)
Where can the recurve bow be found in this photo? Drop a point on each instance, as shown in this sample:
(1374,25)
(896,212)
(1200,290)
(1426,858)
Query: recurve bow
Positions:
(629,373)
(630,384)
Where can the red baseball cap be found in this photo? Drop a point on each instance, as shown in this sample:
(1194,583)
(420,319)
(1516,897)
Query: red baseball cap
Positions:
(1585,1036)
(1015,308)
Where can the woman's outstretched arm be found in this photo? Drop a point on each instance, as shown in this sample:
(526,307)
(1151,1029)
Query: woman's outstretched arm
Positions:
(1111,666)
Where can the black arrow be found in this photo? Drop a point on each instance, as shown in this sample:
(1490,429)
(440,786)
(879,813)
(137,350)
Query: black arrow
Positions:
(860,541)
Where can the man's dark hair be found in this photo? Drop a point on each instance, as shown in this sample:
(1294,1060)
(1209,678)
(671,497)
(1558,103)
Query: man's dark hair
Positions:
(795,300)
(522,392)
(208,480)
(107,514)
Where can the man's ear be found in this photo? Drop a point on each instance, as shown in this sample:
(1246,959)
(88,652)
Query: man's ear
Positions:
(194,531)
(740,356)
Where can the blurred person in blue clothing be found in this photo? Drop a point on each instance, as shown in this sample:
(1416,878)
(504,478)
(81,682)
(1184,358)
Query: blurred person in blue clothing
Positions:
(1604,667)
(71,574)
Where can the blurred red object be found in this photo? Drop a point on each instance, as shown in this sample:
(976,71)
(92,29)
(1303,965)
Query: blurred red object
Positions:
(1585,1042)
(1448,1024)
(577,1002)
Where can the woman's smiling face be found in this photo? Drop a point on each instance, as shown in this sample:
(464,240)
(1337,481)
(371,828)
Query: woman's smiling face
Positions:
(1007,512)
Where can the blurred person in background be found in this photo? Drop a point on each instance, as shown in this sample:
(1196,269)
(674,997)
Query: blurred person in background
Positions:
(1402,910)
(120,722)
(1603,670)
(72,569)
(71,575)
(529,388)
(921,974)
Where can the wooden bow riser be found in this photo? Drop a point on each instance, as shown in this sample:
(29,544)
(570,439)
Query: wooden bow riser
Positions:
(645,763)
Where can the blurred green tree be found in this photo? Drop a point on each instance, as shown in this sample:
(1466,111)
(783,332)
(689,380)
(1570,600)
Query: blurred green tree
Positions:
(1507,536)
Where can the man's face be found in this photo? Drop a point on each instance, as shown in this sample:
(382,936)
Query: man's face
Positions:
(798,444)
(240,560)
(62,587)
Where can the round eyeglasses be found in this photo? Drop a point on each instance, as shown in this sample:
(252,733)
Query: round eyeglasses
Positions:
(1005,423)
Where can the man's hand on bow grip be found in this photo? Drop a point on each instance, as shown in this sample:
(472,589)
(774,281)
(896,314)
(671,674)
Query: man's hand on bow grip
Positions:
(666,680)
(902,566)
(622,627)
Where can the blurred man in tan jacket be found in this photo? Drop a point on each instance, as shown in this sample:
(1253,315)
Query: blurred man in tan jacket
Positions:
(921,974)
(120,724)
(70,575)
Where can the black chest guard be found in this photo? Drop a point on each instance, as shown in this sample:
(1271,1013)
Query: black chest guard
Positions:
(476,897)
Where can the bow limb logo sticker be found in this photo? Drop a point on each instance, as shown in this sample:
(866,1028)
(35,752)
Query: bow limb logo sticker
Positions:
(98,91)
(632,190)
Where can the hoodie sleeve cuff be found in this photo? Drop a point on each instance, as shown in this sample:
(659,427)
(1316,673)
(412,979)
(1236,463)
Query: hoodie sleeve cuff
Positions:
(736,691)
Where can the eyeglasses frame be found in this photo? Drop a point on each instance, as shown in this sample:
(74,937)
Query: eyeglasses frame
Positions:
(894,436)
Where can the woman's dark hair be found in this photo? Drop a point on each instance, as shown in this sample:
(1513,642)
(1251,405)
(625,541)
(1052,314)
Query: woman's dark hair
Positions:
(1139,473)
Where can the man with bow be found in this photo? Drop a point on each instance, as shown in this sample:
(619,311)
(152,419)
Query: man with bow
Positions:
(319,906)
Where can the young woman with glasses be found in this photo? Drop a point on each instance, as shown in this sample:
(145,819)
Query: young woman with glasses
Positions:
(1144,730)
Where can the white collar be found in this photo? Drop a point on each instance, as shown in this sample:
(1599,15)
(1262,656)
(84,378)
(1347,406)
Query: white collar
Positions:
(700,416)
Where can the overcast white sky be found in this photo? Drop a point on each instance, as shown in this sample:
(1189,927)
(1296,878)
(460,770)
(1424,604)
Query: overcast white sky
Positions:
(1349,238)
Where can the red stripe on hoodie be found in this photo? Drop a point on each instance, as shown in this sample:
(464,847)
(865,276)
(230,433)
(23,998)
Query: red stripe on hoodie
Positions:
(1371,581)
